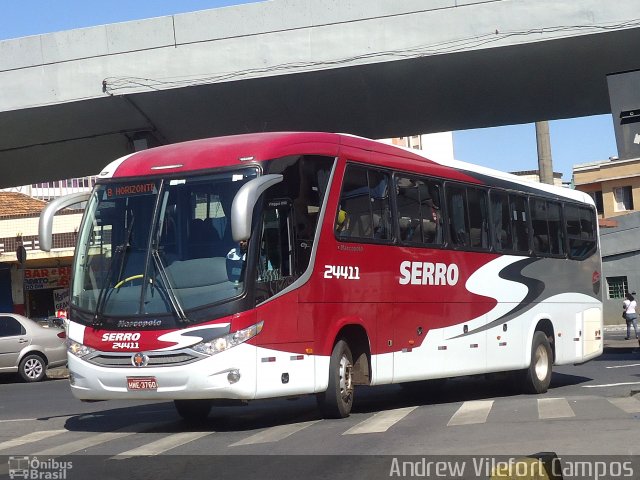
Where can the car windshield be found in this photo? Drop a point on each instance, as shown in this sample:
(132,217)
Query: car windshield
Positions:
(159,246)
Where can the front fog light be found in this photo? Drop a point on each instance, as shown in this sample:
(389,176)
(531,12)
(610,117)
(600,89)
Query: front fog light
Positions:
(233,376)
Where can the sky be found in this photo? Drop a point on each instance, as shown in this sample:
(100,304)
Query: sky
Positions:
(506,148)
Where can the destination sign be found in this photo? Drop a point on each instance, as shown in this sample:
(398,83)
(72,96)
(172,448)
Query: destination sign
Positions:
(129,190)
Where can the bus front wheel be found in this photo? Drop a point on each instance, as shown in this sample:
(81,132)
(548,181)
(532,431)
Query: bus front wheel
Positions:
(337,400)
(193,410)
(537,377)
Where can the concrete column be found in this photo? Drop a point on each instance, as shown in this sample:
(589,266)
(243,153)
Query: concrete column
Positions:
(545,164)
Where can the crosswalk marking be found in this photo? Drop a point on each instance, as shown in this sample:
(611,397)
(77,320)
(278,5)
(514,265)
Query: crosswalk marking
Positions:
(29,438)
(471,412)
(627,404)
(554,408)
(380,422)
(92,441)
(274,434)
(163,445)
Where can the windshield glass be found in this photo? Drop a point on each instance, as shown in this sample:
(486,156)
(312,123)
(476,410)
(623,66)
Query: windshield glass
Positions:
(160,246)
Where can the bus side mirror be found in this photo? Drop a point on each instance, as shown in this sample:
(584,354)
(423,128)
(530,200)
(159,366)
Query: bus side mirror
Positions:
(45,225)
(244,202)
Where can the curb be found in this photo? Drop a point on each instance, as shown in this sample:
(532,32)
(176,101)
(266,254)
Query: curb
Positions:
(58,373)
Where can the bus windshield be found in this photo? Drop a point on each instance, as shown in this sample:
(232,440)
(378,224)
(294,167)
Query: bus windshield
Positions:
(161,246)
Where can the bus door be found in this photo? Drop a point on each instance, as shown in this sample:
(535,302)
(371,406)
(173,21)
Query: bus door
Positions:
(284,367)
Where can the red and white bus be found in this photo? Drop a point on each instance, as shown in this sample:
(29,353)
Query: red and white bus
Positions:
(282,264)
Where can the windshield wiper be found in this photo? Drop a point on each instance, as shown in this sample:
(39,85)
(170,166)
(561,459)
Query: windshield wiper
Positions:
(120,250)
(168,288)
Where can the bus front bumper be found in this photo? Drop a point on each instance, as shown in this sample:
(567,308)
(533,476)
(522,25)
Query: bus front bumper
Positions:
(227,375)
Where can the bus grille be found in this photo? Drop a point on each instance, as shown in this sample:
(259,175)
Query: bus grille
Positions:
(163,359)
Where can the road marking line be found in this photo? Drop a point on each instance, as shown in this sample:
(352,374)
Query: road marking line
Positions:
(274,434)
(162,445)
(554,408)
(471,412)
(625,366)
(610,385)
(380,422)
(30,438)
(627,404)
(92,441)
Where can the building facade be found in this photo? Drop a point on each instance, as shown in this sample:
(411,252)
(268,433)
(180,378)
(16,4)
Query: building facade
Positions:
(32,282)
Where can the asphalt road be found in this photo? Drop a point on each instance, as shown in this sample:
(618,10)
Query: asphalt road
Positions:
(590,410)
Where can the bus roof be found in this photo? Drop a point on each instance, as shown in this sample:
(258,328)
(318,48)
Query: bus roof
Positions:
(255,147)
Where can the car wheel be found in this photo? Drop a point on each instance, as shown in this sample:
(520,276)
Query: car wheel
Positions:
(32,368)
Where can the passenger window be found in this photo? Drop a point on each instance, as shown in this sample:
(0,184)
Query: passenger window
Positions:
(539,223)
(468,217)
(478,218)
(419,215)
(503,237)
(556,233)
(581,231)
(519,222)
(458,219)
(364,211)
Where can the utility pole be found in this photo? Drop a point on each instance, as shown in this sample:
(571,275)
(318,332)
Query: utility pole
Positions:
(545,164)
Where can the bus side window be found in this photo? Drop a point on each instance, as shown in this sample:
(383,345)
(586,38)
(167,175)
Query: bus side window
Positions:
(478,218)
(580,227)
(458,218)
(556,233)
(503,238)
(364,211)
(539,224)
(519,222)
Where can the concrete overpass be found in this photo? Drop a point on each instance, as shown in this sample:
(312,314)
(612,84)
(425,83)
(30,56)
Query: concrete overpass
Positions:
(72,101)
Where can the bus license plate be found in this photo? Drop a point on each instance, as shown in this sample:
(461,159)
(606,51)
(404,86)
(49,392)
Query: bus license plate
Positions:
(142,383)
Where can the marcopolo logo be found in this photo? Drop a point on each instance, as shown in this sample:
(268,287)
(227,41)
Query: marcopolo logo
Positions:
(427,273)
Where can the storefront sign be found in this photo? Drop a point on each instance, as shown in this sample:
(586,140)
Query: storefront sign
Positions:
(61,299)
(42,278)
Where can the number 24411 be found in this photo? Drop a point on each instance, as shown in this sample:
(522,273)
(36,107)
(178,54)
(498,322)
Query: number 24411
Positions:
(341,271)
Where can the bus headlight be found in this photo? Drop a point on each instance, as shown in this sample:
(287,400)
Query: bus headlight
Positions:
(78,349)
(221,344)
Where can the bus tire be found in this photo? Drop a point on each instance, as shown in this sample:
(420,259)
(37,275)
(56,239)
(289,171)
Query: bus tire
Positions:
(193,410)
(337,400)
(537,377)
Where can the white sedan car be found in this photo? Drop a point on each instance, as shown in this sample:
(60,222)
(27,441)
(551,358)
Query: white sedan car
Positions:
(29,348)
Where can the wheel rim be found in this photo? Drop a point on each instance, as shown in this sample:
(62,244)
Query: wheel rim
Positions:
(33,368)
(541,362)
(346,385)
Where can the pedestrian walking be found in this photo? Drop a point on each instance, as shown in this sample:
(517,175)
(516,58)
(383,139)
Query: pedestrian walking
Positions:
(630,315)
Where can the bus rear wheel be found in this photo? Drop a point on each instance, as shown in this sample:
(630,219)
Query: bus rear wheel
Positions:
(537,378)
(337,400)
(193,410)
